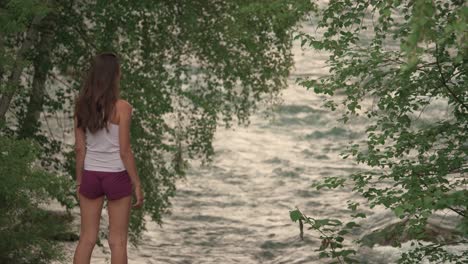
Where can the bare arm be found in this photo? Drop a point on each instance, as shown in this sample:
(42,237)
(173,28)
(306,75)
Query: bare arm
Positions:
(126,152)
(80,152)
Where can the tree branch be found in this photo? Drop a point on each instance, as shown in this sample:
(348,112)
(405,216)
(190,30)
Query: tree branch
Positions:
(444,81)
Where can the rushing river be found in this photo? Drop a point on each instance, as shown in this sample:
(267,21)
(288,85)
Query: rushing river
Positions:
(237,209)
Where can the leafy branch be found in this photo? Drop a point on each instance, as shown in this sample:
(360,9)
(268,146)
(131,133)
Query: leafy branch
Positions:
(330,234)
(444,81)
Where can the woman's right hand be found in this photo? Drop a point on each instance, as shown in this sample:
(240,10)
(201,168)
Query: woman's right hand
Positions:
(139,196)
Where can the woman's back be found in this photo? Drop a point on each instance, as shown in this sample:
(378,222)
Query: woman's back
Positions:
(103,150)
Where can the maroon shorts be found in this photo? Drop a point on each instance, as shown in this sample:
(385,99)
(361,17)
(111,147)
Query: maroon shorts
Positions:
(114,185)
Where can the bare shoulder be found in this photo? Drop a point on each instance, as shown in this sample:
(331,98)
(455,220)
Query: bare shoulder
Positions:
(123,106)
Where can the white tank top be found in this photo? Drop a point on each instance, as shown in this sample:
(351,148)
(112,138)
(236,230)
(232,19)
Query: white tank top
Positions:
(103,150)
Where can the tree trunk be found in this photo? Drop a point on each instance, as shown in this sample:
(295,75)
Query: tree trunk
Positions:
(42,65)
(14,79)
(1,65)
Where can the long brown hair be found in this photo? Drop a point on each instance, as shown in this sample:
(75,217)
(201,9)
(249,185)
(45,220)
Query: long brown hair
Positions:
(100,91)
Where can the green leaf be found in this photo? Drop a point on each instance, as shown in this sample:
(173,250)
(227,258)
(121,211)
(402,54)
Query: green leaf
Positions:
(295,215)
(399,211)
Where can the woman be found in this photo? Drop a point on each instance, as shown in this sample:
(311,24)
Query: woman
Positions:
(104,160)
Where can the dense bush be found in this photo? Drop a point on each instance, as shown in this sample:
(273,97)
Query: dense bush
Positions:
(29,234)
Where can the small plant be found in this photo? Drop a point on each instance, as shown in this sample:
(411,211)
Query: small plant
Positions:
(331,232)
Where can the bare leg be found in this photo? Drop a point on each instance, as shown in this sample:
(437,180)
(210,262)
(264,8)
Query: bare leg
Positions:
(90,218)
(119,216)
